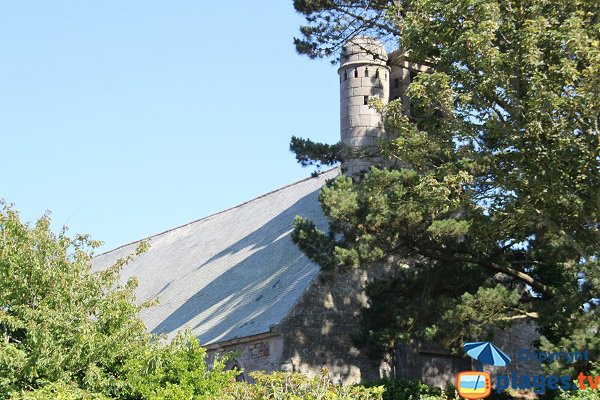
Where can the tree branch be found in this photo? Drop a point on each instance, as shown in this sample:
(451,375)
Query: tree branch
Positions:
(526,278)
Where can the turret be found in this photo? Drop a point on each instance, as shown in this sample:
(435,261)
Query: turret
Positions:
(403,71)
(364,74)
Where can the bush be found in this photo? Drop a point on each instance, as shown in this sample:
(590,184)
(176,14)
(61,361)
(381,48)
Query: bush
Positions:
(294,386)
(175,371)
(404,389)
(58,391)
(587,394)
(59,323)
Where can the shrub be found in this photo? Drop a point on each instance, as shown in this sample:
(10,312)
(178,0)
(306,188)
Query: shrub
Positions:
(175,371)
(295,386)
(404,389)
(587,394)
(57,391)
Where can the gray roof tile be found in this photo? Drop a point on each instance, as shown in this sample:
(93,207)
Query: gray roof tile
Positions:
(229,275)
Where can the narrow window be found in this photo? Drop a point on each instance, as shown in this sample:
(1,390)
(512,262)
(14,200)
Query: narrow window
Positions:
(356,73)
(386,76)
(366,100)
(345,75)
(377,73)
(396,83)
(366,72)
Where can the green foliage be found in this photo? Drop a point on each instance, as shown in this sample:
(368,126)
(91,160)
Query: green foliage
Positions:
(403,389)
(587,394)
(415,305)
(361,16)
(58,322)
(176,371)
(318,154)
(499,184)
(58,391)
(294,386)
(68,333)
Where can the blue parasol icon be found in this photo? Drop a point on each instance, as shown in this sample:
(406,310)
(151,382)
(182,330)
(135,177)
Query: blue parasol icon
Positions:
(486,353)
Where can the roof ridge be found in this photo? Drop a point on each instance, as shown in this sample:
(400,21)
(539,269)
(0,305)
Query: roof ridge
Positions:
(217,213)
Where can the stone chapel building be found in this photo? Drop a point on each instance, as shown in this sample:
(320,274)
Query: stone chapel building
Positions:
(239,283)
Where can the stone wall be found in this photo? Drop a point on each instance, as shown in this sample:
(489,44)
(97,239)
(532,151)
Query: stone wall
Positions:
(261,352)
(437,367)
(317,332)
(521,335)
(433,366)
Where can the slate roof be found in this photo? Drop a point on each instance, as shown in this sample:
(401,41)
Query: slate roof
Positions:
(230,275)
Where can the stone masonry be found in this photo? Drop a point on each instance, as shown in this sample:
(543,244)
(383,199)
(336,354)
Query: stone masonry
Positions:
(364,74)
(367,71)
(317,332)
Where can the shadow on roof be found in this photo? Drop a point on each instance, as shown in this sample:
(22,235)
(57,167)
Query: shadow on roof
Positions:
(263,275)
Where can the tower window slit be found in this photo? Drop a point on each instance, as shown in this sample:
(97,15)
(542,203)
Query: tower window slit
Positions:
(366,72)
(366,100)
(356,73)
(377,74)
(396,83)
(345,75)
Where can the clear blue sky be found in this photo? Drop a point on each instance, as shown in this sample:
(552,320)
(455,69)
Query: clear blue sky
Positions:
(127,118)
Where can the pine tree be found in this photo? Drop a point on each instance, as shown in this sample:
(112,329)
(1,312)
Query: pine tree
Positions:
(497,199)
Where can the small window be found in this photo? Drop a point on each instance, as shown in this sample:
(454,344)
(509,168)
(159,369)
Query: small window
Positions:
(366,100)
(377,73)
(366,72)
(345,75)
(356,73)
(396,83)
(386,76)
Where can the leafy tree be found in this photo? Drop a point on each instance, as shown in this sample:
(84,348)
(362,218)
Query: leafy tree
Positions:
(496,203)
(57,321)
(177,371)
(67,333)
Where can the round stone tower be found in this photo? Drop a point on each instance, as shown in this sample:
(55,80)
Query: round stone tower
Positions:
(364,74)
